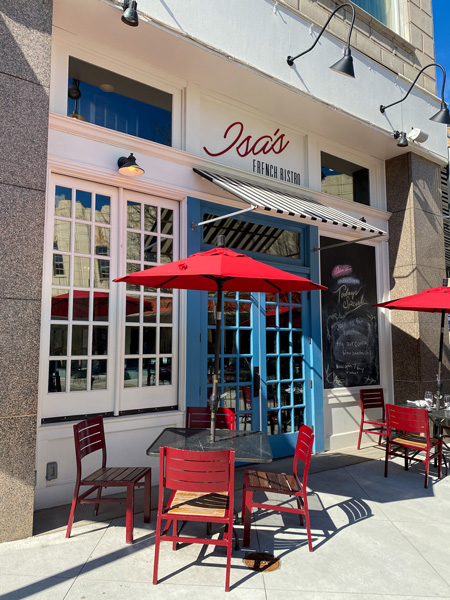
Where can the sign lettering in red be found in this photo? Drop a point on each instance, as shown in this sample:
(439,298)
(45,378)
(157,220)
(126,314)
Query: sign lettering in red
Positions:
(244,145)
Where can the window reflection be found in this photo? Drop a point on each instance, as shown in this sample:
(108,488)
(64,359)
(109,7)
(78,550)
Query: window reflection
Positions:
(57,376)
(83,205)
(78,375)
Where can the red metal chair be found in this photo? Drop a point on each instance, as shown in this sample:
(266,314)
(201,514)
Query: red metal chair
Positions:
(202,485)
(280,483)
(199,417)
(90,437)
(408,430)
(370,399)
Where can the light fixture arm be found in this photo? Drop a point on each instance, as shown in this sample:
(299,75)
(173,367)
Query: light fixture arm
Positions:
(291,59)
(443,103)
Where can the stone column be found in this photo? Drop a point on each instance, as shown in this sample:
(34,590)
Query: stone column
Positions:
(417,262)
(25,48)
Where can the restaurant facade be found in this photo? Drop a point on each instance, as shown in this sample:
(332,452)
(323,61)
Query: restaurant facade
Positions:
(214,134)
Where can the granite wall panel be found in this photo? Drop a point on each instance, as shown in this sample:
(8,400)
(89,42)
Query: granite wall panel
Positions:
(25,46)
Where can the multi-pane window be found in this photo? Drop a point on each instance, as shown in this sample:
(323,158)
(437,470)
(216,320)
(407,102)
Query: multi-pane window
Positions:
(149,344)
(111,347)
(284,363)
(80,291)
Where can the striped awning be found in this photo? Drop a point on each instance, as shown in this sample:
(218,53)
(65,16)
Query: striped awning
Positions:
(288,204)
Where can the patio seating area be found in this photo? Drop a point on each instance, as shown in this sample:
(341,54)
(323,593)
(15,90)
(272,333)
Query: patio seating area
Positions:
(359,520)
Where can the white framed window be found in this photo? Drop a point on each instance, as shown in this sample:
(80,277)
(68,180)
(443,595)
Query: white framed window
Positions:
(387,12)
(72,59)
(106,347)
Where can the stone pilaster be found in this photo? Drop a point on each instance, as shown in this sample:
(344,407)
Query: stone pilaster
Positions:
(25,47)
(417,262)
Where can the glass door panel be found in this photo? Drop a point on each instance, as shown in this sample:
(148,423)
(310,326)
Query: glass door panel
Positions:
(283,366)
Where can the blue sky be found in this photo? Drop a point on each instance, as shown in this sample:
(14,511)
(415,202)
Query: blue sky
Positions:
(441,17)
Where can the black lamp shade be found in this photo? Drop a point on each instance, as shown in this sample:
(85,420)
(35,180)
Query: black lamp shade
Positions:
(128,166)
(345,65)
(130,16)
(402,140)
(443,116)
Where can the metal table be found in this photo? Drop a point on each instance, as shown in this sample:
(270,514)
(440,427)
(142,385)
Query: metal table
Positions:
(248,446)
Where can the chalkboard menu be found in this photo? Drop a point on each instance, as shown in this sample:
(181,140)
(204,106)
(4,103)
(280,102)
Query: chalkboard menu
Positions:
(349,323)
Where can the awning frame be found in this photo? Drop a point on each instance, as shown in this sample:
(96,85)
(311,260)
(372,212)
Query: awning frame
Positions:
(287,203)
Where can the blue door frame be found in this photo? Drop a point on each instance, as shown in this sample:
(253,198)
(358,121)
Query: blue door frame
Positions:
(197,333)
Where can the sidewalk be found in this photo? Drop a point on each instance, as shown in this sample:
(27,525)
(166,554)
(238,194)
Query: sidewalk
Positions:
(373,538)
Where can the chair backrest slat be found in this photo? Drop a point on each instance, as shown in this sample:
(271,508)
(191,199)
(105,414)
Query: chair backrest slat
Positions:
(89,436)
(372,398)
(303,451)
(410,420)
(189,470)
(199,417)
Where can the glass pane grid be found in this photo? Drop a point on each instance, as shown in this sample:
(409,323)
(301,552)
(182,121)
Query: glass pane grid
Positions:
(284,363)
(76,306)
(148,312)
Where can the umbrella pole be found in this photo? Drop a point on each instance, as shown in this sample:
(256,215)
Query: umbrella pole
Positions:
(441,348)
(214,400)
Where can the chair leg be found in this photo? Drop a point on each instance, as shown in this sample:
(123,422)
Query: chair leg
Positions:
(308,525)
(386,460)
(129,514)
(406,459)
(247,515)
(358,447)
(440,460)
(72,511)
(300,508)
(147,497)
(228,567)
(427,467)
(99,495)
(157,543)
(175,532)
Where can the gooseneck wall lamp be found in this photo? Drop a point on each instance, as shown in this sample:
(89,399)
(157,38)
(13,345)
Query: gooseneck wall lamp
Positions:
(130,16)
(401,138)
(345,65)
(128,166)
(443,116)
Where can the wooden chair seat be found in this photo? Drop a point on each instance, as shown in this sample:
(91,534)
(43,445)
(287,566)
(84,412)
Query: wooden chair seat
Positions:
(414,441)
(115,476)
(198,503)
(279,483)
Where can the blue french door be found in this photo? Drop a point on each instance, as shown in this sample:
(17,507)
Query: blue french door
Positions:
(265,363)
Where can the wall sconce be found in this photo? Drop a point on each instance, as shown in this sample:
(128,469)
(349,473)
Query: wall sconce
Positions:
(345,65)
(401,138)
(128,166)
(130,16)
(75,94)
(443,116)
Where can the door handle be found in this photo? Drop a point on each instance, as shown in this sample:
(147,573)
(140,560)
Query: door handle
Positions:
(256,381)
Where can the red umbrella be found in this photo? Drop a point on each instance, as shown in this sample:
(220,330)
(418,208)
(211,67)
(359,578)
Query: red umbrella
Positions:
(220,270)
(432,300)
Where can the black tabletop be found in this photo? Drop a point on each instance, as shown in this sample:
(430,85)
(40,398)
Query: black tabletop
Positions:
(442,414)
(249,446)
